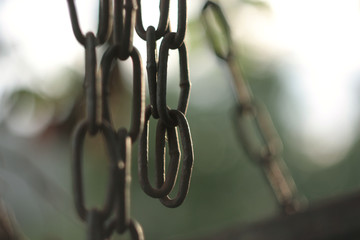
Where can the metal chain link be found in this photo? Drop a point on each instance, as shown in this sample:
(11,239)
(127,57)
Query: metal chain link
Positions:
(253,122)
(115,215)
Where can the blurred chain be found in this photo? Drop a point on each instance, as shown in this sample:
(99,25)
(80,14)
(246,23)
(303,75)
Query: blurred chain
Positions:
(256,130)
(114,216)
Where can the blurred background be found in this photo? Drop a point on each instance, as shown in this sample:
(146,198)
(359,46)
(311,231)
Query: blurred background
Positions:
(301,57)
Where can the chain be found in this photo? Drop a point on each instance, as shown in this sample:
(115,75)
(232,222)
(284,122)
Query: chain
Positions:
(253,122)
(115,215)
(158,109)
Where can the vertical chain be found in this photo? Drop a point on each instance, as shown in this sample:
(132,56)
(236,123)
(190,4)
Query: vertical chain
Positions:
(90,41)
(256,130)
(117,203)
(170,121)
(115,215)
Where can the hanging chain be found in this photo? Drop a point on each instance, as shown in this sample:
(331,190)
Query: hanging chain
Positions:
(253,122)
(169,120)
(115,215)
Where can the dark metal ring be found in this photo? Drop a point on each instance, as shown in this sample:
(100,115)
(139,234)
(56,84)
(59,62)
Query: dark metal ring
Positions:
(167,185)
(188,161)
(78,143)
(162,80)
(138,100)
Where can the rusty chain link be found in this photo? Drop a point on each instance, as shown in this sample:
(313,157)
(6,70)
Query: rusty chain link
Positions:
(115,215)
(253,122)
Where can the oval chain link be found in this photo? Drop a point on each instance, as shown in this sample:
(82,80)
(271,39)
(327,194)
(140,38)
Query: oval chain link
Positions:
(169,183)
(111,144)
(187,164)
(138,89)
(162,80)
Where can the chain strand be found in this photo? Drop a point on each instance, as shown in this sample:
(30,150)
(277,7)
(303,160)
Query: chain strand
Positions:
(254,125)
(115,215)
(168,120)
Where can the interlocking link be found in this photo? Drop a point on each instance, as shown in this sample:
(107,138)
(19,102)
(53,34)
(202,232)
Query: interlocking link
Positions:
(124,26)
(171,174)
(138,89)
(111,144)
(151,68)
(187,164)
(253,122)
(115,215)
(168,119)
(90,41)
(103,25)
(181,27)
(162,80)
(163,21)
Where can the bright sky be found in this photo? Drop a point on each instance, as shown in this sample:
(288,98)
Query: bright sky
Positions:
(319,41)
(323,37)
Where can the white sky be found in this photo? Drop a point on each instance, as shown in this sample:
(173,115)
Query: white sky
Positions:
(318,39)
(318,42)
(323,37)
